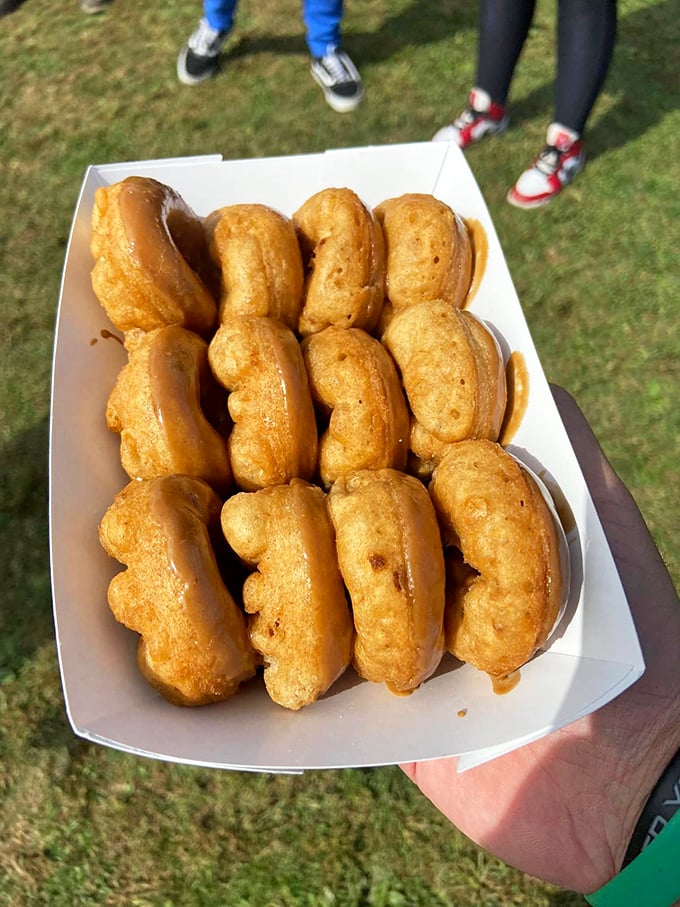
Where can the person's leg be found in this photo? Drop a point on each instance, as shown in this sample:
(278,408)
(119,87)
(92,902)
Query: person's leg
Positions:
(503,29)
(331,67)
(199,58)
(219,14)
(322,20)
(586,33)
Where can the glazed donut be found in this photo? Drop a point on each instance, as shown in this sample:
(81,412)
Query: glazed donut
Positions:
(274,437)
(258,259)
(391,559)
(343,254)
(156,407)
(507,603)
(427,249)
(452,371)
(354,383)
(300,620)
(193,645)
(149,248)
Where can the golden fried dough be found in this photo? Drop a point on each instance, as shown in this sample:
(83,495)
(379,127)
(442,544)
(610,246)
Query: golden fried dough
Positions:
(493,511)
(156,407)
(301,621)
(258,259)
(391,559)
(193,645)
(426,450)
(452,371)
(274,437)
(427,249)
(355,385)
(343,254)
(149,248)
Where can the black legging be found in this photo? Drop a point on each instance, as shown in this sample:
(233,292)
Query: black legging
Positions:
(586,31)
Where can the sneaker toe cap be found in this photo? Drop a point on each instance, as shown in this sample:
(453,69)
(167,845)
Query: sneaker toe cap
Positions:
(447,134)
(532,183)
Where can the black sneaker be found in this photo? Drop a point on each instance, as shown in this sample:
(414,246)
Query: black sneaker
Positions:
(339,80)
(199,58)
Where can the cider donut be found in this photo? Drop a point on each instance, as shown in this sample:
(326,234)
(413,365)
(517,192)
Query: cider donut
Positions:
(257,256)
(343,255)
(156,407)
(274,437)
(452,371)
(354,383)
(193,645)
(492,510)
(391,559)
(300,623)
(149,248)
(428,251)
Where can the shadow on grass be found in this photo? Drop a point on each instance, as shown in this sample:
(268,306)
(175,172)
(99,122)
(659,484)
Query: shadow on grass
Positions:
(419,23)
(26,613)
(26,622)
(567,899)
(10,6)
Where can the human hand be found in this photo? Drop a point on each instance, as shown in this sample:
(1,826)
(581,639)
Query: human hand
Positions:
(564,808)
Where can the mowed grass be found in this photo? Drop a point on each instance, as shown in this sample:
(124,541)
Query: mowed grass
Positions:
(598,278)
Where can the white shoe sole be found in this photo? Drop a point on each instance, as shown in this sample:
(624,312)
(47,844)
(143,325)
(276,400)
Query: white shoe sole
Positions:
(185,77)
(541,202)
(450,133)
(336,103)
(538,203)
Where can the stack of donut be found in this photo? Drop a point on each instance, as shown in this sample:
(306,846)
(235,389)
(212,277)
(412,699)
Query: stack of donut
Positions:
(309,419)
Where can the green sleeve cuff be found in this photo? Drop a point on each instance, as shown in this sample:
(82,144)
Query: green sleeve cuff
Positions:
(653,877)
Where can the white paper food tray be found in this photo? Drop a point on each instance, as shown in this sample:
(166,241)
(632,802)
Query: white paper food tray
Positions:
(593,657)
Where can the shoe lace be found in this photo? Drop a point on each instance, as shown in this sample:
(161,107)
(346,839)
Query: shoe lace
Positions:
(205,41)
(468,117)
(549,160)
(334,65)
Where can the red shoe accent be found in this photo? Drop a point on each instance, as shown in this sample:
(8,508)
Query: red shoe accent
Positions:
(481,112)
(552,170)
(563,141)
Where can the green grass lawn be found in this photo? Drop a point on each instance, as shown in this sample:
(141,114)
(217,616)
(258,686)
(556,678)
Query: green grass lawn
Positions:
(597,275)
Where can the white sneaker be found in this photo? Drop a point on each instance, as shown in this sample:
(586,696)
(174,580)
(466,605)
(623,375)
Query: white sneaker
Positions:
(339,80)
(481,117)
(199,58)
(554,168)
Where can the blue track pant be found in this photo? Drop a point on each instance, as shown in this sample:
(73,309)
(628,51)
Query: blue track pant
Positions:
(321,18)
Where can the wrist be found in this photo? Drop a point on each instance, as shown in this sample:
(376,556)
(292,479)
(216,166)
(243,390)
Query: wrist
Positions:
(646,749)
(633,739)
(660,809)
(651,878)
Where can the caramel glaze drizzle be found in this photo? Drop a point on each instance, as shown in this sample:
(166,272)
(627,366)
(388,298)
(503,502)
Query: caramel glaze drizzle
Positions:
(503,685)
(517,379)
(178,512)
(480,256)
(516,374)
(107,335)
(176,361)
